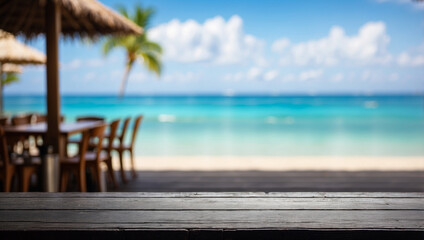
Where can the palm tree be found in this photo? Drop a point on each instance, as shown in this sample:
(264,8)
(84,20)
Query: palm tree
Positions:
(137,47)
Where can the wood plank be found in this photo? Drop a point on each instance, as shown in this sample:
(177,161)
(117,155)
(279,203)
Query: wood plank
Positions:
(255,219)
(104,234)
(211,216)
(327,235)
(14,195)
(212,203)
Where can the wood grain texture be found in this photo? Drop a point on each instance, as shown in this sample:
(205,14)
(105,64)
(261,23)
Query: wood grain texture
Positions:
(212,215)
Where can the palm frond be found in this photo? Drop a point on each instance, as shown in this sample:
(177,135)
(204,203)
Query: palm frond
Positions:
(111,43)
(152,47)
(123,11)
(142,16)
(10,78)
(152,63)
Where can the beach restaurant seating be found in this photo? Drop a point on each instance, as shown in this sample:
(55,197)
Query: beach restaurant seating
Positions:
(116,147)
(7,169)
(39,118)
(85,159)
(10,165)
(82,119)
(122,147)
(21,143)
(4,120)
(113,127)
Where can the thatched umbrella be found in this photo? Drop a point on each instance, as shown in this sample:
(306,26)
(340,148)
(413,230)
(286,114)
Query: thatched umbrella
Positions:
(12,51)
(11,68)
(73,18)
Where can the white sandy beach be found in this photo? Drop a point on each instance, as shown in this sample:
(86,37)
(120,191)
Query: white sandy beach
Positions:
(306,163)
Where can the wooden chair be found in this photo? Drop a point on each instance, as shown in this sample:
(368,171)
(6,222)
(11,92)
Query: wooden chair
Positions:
(85,160)
(7,169)
(113,127)
(116,147)
(4,121)
(10,167)
(75,165)
(43,118)
(122,147)
(22,119)
(25,170)
(81,119)
(21,142)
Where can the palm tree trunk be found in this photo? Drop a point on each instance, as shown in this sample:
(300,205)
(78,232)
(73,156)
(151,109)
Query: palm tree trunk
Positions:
(125,79)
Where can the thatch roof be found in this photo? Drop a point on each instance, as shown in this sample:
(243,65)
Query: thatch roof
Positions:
(11,68)
(80,18)
(12,51)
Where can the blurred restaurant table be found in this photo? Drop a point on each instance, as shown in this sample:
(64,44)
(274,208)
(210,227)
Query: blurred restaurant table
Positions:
(40,129)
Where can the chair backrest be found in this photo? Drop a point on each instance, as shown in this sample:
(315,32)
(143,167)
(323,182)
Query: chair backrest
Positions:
(22,119)
(90,118)
(83,146)
(40,118)
(43,118)
(113,127)
(96,136)
(4,157)
(124,130)
(4,121)
(92,134)
(135,129)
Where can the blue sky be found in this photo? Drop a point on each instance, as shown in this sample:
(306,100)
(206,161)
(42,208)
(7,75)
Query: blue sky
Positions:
(261,47)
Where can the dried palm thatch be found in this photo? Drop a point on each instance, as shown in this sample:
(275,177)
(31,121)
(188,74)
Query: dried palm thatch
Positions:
(12,51)
(80,18)
(11,68)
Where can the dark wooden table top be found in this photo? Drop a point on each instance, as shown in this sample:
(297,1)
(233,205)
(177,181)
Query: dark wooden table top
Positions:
(66,129)
(212,215)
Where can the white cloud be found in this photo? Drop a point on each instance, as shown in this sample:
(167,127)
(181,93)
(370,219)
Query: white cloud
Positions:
(271,75)
(254,73)
(181,77)
(214,41)
(413,58)
(405,59)
(280,45)
(74,64)
(310,74)
(78,63)
(367,47)
(235,77)
(259,74)
(372,75)
(415,4)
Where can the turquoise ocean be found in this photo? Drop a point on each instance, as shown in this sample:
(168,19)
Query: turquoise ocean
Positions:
(257,125)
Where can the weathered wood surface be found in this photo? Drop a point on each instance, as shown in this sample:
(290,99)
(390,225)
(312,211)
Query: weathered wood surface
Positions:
(212,215)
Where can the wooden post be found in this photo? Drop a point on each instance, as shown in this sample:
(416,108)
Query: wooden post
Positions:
(53,28)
